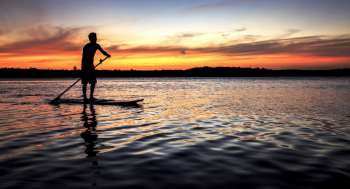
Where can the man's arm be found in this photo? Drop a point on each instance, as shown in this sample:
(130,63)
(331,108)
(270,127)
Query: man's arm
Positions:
(103,51)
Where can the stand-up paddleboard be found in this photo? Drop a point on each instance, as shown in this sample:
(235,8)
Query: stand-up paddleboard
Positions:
(101,102)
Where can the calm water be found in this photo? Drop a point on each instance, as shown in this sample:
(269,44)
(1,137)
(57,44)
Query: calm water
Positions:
(198,133)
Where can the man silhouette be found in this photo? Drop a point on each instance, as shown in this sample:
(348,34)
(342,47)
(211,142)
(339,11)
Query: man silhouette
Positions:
(87,65)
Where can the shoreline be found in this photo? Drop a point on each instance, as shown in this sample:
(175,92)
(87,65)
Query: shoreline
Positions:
(203,72)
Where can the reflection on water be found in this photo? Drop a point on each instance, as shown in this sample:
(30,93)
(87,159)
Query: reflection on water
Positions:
(200,133)
(89,135)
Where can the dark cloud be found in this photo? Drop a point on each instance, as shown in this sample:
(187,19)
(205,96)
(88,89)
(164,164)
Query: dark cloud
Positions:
(188,35)
(313,45)
(153,49)
(57,39)
(46,39)
(114,48)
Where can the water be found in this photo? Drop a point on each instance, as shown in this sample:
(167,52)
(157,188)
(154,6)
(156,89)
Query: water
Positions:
(198,133)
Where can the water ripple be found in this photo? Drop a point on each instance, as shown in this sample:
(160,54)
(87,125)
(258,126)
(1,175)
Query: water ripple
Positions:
(198,133)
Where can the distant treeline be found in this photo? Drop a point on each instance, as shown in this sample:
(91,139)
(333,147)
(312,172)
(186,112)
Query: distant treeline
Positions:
(194,72)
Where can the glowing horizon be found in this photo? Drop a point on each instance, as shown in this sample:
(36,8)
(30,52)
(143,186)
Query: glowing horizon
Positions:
(155,35)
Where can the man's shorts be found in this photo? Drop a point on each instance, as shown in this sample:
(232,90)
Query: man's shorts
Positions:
(88,78)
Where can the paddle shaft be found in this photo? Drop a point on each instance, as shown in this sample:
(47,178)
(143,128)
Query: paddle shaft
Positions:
(59,96)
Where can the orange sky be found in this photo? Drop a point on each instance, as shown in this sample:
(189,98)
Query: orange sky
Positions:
(153,58)
(155,35)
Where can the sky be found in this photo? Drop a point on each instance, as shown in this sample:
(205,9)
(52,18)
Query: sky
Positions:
(181,34)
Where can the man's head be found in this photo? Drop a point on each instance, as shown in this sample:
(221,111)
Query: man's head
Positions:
(92,37)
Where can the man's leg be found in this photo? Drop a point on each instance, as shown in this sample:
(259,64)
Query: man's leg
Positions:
(84,91)
(92,89)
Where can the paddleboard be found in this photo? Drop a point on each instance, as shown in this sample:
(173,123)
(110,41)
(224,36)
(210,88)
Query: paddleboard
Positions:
(102,102)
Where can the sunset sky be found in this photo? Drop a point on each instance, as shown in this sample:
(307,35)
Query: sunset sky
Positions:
(177,34)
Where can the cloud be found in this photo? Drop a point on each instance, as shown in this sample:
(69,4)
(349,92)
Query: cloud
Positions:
(153,50)
(240,29)
(183,36)
(289,33)
(235,31)
(312,45)
(338,46)
(188,35)
(51,39)
(44,39)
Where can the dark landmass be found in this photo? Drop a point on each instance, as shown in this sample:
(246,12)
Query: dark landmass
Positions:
(194,72)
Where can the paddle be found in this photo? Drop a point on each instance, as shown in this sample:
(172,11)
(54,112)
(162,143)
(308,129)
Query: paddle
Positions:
(57,99)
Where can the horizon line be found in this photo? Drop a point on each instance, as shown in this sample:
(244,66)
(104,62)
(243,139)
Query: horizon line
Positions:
(200,67)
